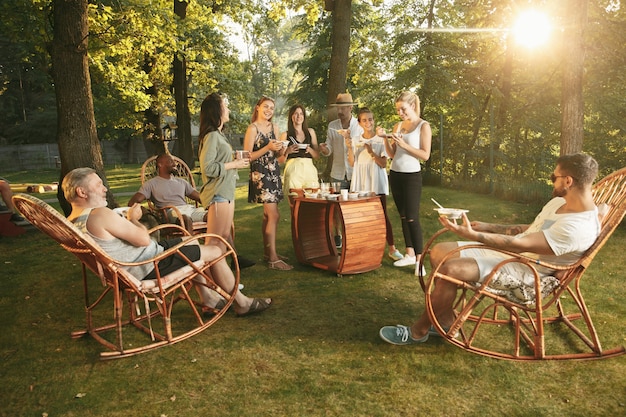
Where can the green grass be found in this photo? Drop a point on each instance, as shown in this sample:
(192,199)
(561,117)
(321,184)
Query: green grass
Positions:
(316,352)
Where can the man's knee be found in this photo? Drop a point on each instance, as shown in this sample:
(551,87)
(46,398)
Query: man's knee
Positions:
(209,252)
(440,250)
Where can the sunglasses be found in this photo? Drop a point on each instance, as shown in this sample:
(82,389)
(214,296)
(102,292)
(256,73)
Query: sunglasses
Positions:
(554,177)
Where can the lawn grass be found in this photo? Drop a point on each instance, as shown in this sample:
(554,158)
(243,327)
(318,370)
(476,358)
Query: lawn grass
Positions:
(316,352)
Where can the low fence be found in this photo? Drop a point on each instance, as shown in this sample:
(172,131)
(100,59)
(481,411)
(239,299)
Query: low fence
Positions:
(46,155)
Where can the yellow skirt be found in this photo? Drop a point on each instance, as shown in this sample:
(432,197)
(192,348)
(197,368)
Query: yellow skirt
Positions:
(299,173)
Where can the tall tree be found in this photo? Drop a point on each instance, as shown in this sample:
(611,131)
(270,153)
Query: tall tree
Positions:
(183,145)
(340,42)
(572,129)
(77,135)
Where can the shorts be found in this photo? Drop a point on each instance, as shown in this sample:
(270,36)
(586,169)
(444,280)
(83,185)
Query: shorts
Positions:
(197,214)
(219,199)
(175,262)
(488,259)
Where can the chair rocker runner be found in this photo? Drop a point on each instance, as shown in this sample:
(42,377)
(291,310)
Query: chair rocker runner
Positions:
(522,323)
(172,311)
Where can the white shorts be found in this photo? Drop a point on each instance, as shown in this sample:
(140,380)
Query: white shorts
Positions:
(488,259)
(195,213)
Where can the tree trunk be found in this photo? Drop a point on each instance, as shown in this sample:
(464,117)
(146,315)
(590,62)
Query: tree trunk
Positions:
(340,49)
(76,135)
(183,146)
(152,133)
(572,103)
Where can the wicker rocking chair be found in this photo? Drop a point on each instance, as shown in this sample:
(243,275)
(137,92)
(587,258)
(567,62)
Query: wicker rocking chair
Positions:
(510,324)
(172,310)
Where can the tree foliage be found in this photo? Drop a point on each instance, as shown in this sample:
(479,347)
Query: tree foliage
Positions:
(495,108)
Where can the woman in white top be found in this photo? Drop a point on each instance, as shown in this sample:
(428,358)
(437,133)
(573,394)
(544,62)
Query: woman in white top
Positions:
(410,143)
(369,173)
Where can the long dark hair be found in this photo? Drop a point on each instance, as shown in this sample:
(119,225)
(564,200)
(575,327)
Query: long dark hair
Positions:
(210,116)
(291,131)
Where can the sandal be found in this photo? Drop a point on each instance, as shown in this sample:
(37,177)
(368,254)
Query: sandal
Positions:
(281,257)
(279,265)
(258,305)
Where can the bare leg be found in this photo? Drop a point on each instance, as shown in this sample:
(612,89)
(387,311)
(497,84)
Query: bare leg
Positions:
(225,279)
(219,221)
(270,225)
(444,293)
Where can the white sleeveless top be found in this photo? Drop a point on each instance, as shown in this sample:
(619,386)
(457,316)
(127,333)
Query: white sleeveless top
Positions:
(402,160)
(121,250)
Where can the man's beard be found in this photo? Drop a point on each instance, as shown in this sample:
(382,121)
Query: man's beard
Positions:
(559,192)
(96,201)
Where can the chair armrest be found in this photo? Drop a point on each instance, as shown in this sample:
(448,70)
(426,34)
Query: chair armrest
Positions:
(497,280)
(175,249)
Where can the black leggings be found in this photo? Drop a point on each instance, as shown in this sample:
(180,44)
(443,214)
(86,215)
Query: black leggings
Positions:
(389,237)
(406,188)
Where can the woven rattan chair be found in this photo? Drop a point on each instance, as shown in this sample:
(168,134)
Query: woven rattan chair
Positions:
(149,170)
(532,324)
(172,311)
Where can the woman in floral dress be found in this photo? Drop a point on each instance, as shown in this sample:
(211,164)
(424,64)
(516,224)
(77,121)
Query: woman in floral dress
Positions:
(265,185)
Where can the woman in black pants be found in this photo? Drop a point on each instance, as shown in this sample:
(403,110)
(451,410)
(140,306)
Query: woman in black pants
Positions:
(409,144)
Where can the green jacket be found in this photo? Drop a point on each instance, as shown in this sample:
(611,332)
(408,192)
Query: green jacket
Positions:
(215,151)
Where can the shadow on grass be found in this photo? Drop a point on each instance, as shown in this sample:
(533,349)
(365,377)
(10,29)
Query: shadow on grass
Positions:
(315,352)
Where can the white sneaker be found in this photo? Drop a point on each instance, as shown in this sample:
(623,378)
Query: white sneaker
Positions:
(417,272)
(406,261)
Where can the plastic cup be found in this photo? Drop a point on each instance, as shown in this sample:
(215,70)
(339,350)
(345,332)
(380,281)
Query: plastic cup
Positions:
(344,193)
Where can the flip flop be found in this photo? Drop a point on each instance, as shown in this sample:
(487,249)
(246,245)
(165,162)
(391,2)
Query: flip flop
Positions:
(258,305)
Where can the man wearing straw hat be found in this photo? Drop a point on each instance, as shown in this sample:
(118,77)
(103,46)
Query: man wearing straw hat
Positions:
(338,140)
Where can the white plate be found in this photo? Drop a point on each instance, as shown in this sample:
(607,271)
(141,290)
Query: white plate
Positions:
(121,210)
(451,213)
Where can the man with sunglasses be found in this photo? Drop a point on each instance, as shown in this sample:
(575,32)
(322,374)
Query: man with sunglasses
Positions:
(564,229)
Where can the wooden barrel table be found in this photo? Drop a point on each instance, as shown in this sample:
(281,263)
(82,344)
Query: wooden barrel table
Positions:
(361,222)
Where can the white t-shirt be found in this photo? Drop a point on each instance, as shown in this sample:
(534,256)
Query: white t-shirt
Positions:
(568,234)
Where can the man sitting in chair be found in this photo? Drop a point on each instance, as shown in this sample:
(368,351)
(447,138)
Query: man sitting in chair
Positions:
(127,240)
(167,190)
(560,234)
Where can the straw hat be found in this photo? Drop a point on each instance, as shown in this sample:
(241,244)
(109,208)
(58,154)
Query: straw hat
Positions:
(343,99)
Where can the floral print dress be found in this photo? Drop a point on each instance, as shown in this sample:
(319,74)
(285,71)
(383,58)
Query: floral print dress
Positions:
(265,185)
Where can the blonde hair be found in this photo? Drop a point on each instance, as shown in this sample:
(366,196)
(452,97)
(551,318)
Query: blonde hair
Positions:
(411,99)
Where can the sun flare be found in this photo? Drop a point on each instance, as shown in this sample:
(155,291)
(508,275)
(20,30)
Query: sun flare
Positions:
(532,29)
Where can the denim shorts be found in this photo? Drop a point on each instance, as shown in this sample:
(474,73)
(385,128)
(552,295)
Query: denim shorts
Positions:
(219,199)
